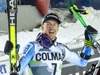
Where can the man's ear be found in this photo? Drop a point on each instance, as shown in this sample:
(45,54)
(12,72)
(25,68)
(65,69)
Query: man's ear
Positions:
(42,26)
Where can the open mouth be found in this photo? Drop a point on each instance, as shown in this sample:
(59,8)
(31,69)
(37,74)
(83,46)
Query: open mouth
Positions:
(51,32)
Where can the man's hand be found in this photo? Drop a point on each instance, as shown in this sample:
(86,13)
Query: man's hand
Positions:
(8,47)
(90,35)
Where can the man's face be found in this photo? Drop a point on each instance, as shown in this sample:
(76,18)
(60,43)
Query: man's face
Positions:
(50,27)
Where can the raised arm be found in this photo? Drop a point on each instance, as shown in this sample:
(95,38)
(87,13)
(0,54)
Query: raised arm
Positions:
(82,59)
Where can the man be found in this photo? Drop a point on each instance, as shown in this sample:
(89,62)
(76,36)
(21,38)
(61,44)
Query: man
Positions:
(45,55)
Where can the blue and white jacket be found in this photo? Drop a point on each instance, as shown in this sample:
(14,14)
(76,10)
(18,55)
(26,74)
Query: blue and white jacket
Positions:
(48,61)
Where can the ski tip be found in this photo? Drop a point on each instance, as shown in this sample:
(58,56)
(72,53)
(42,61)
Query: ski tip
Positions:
(87,12)
(74,6)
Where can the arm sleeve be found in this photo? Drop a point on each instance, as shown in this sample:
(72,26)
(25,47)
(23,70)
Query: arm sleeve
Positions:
(27,55)
(74,58)
(86,52)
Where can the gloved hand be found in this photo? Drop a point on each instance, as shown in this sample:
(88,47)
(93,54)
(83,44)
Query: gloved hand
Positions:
(90,35)
(9,47)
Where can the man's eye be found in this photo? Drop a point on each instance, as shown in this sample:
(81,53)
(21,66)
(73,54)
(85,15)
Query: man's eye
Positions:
(48,24)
